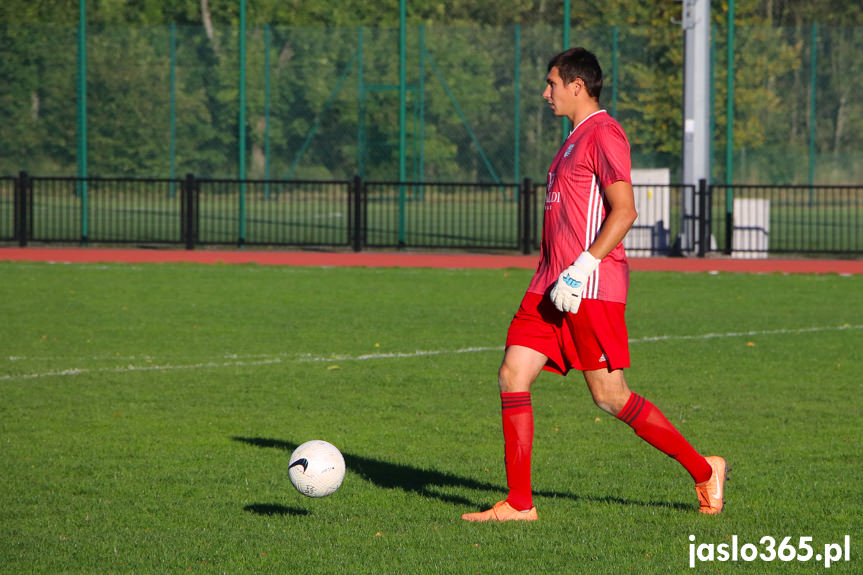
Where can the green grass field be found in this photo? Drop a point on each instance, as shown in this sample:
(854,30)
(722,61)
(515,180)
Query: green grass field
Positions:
(148,412)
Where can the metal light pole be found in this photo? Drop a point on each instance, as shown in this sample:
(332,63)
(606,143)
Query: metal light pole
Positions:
(696,110)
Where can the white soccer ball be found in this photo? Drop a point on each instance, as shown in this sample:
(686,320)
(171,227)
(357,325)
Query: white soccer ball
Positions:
(316,468)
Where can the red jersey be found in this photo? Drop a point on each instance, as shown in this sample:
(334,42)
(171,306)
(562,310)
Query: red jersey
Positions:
(594,156)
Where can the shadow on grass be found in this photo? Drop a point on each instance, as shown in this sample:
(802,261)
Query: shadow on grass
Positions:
(274,509)
(421,481)
(392,475)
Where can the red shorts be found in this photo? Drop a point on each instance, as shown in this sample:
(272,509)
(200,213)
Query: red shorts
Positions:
(593,338)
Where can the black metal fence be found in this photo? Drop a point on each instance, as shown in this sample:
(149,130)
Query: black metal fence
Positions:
(752,221)
(201,212)
(445,215)
(744,221)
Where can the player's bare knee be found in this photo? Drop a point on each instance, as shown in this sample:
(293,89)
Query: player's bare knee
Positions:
(510,380)
(610,401)
(609,390)
(604,403)
(504,378)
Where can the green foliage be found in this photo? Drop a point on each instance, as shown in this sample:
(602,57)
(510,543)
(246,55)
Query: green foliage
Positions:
(322,124)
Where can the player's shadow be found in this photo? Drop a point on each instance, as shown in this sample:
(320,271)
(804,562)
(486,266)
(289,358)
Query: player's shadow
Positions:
(422,481)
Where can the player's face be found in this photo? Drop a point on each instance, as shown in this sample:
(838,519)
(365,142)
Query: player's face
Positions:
(559,96)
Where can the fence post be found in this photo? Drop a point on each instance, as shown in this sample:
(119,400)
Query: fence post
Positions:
(189,213)
(703,217)
(526,198)
(21,187)
(357,197)
(729,219)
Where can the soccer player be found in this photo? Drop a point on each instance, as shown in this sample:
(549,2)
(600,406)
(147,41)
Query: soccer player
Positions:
(572,316)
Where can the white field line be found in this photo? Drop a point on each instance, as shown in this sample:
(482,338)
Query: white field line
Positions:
(236,361)
(132,368)
(746,333)
(706,336)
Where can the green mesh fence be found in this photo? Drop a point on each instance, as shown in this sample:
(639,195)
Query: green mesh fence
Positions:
(323,103)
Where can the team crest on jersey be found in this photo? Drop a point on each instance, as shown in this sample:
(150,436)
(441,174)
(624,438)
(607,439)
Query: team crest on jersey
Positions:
(568,151)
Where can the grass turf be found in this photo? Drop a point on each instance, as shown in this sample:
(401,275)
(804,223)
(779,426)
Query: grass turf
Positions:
(148,413)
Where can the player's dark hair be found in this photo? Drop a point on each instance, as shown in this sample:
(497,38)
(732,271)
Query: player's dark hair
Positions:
(579,63)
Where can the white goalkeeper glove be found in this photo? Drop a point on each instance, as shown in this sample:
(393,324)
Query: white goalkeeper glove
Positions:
(566,293)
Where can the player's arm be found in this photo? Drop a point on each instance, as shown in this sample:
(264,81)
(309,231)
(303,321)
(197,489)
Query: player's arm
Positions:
(620,215)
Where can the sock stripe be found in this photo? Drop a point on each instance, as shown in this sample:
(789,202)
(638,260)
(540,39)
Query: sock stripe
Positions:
(641,403)
(627,408)
(632,409)
(514,400)
(514,405)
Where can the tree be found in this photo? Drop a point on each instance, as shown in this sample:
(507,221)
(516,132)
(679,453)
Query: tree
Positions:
(322,123)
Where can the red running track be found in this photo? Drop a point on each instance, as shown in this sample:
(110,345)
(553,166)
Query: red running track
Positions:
(412,260)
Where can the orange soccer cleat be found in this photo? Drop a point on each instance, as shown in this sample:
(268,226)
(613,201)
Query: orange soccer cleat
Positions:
(502,511)
(710,492)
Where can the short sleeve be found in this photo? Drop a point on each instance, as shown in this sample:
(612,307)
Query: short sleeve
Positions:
(612,160)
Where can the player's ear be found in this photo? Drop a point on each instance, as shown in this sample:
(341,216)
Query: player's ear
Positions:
(581,85)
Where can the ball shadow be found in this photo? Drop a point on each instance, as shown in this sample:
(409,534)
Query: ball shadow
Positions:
(270,509)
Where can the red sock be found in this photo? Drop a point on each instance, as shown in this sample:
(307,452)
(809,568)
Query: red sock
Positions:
(517,414)
(651,425)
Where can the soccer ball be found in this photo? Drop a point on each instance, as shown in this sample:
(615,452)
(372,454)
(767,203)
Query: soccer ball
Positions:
(316,468)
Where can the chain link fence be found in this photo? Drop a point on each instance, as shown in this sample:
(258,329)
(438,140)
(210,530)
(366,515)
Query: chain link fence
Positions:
(323,103)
